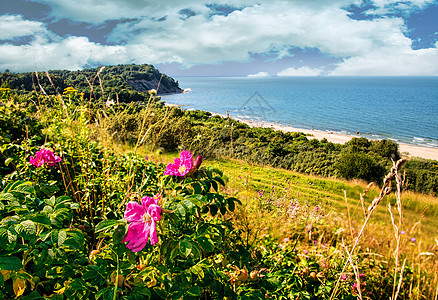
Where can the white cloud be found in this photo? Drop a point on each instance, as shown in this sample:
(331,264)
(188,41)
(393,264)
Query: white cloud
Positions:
(406,62)
(274,26)
(259,75)
(71,53)
(14,26)
(303,71)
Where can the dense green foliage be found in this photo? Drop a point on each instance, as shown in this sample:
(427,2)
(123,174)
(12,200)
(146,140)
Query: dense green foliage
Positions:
(61,227)
(125,82)
(215,136)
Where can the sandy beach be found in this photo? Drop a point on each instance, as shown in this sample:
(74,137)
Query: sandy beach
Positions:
(405,149)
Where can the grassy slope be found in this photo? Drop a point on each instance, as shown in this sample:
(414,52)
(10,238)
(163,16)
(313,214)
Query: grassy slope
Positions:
(245,180)
(420,212)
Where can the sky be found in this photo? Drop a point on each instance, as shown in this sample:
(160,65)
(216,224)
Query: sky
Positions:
(255,38)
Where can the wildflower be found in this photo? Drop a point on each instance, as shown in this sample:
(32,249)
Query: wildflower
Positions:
(413,240)
(142,224)
(183,164)
(109,102)
(305,252)
(260,193)
(153,92)
(361,275)
(403,232)
(44,156)
(286,240)
(344,277)
(70,90)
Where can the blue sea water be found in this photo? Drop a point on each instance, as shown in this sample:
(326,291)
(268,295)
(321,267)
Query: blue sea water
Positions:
(404,109)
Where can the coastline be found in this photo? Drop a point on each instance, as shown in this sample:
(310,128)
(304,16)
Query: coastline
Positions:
(408,150)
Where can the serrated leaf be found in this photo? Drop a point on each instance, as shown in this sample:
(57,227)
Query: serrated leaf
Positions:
(107,224)
(206,243)
(185,247)
(12,237)
(181,210)
(77,234)
(19,287)
(51,201)
(72,244)
(62,235)
(198,200)
(7,197)
(29,227)
(189,204)
(40,219)
(24,187)
(10,263)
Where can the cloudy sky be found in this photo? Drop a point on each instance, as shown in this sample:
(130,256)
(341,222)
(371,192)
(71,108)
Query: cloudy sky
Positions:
(223,38)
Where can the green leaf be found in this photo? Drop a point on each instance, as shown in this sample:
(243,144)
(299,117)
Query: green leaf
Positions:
(219,179)
(23,187)
(223,210)
(198,200)
(107,224)
(54,236)
(160,292)
(40,219)
(29,226)
(197,189)
(185,247)
(50,201)
(181,210)
(195,291)
(215,186)
(119,234)
(12,237)
(72,244)
(205,243)
(213,209)
(8,161)
(3,236)
(62,235)
(76,234)
(10,263)
(231,205)
(7,197)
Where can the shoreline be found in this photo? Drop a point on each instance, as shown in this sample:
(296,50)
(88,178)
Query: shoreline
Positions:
(406,150)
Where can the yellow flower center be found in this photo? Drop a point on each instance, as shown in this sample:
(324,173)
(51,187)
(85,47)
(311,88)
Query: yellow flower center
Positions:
(182,169)
(146,218)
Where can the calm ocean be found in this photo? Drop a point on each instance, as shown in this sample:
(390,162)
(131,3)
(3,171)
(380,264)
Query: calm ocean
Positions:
(404,109)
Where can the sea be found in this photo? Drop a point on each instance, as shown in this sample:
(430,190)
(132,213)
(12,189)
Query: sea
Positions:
(404,109)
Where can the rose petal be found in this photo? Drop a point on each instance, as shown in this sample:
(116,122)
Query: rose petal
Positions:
(153,233)
(137,236)
(134,212)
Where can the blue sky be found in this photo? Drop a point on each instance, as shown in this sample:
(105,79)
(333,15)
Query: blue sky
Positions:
(224,38)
